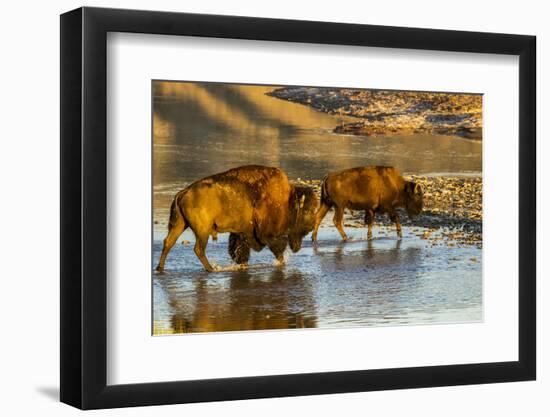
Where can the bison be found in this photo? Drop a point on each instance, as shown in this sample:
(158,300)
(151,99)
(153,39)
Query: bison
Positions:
(256,204)
(376,189)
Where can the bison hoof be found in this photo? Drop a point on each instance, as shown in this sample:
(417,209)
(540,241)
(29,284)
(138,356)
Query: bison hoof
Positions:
(159,269)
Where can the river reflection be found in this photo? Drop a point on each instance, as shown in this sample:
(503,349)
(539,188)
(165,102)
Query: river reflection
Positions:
(241,301)
(385,281)
(203,128)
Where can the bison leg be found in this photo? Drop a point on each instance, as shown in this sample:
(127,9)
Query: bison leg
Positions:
(277,247)
(337,220)
(238,248)
(394,217)
(200,251)
(369,220)
(174,231)
(321,213)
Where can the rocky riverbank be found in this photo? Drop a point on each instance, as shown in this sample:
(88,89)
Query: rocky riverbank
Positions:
(452,214)
(382,112)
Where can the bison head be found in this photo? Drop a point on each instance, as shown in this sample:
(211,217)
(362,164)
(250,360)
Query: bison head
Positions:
(414,200)
(303,206)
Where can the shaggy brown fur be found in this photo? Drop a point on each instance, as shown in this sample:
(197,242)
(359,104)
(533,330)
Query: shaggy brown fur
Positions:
(254,203)
(270,191)
(302,206)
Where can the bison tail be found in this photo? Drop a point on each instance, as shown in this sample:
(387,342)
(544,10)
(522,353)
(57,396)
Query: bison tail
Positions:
(176,214)
(325,198)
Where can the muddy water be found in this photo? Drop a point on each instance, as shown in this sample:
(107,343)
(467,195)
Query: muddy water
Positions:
(201,129)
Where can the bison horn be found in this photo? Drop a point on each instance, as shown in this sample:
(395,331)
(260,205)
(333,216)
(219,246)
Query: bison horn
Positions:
(417,189)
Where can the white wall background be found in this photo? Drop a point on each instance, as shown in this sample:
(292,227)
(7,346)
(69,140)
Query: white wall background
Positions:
(29,219)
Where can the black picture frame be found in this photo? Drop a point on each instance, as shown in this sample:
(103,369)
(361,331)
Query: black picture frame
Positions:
(84,207)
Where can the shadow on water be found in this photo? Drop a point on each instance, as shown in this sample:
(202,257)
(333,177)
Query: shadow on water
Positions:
(358,254)
(376,281)
(368,250)
(242,301)
(203,128)
(383,281)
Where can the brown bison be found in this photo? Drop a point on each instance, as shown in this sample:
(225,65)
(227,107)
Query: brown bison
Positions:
(373,189)
(256,204)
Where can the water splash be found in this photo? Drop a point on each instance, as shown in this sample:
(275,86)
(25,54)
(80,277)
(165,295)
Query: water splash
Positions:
(240,267)
(283,262)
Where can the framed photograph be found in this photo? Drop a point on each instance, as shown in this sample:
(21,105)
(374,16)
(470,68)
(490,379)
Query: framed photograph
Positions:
(258,208)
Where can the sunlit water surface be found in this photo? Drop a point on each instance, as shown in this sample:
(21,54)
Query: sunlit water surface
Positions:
(201,129)
(360,283)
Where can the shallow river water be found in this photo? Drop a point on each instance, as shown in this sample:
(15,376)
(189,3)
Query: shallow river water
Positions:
(201,129)
(360,283)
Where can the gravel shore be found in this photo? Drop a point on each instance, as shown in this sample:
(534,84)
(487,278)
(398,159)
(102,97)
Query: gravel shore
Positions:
(452,215)
(382,112)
